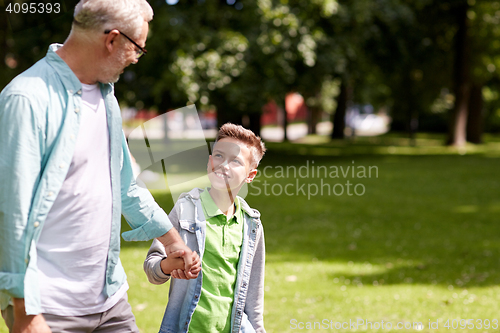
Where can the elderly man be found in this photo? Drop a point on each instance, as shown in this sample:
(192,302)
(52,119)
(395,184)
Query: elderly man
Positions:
(66,178)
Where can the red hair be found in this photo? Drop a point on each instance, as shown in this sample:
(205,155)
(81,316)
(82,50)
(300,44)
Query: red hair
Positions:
(253,142)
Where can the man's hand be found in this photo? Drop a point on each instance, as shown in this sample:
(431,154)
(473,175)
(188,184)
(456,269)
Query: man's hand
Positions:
(191,274)
(27,324)
(172,262)
(173,242)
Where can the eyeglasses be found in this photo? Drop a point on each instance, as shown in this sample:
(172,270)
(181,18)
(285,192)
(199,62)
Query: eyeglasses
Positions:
(141,50)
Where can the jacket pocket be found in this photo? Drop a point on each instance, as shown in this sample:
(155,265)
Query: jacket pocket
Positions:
(188,226)
(188,234)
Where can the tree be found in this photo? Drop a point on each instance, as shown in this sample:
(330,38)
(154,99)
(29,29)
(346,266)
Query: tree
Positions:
(25,37)
(462,88)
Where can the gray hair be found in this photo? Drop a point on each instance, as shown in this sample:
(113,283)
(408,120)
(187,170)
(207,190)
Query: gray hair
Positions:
(125,15)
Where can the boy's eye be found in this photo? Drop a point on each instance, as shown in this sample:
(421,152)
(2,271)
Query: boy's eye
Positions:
(237,161)
(218,155)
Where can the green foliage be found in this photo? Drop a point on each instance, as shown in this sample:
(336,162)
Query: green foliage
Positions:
(25,37)
(395,54)
(420,244)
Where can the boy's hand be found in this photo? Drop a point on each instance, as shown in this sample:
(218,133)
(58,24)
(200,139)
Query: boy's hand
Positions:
(173,242)
(192,273)
(172,262)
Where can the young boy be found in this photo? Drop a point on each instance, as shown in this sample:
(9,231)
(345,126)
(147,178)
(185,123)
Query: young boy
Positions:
(228,294)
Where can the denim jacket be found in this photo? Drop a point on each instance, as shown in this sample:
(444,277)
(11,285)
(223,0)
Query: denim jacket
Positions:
(39,122)
(248,306)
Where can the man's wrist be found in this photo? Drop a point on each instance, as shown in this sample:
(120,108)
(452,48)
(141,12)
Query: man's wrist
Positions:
(170,237)
(18,304)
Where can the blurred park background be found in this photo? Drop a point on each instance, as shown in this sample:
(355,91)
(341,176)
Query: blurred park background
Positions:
(411,87)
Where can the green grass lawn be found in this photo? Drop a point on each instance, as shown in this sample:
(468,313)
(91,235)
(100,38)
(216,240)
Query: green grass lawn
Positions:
(421,243)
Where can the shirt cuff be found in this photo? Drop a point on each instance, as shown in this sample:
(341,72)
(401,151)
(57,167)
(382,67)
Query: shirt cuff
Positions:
(156,227)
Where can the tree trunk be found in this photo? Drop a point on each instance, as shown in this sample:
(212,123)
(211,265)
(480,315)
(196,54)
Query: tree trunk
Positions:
(255,124)
(223,116)
(313,119)
(285,120)
(475,117)
(338,118)
(458,122)
(413,122)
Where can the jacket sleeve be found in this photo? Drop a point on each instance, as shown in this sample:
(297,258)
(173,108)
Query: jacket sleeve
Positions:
(156,253)
(254,306)
(142,213)
(20,167)
(152,263)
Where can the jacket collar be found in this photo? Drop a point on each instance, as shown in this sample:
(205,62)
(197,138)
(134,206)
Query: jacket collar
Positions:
(194,194)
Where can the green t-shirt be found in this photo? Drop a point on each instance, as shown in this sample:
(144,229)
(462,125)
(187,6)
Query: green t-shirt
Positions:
(220,267)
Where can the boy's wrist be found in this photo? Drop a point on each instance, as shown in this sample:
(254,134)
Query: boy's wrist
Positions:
(165,266)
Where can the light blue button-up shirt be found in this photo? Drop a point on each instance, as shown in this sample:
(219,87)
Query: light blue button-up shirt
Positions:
(39,123)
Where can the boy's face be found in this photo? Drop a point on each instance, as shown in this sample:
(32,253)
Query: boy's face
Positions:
(229,166)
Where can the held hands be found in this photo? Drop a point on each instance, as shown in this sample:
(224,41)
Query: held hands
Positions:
(173,244)
(174,264)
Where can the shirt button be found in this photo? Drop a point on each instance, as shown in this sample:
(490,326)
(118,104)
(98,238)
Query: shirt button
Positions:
(72,137)
(70,91)
(79,92)
(50,194)
(77,110)
(36,224)
(196,296)
(26,260)
(62,165)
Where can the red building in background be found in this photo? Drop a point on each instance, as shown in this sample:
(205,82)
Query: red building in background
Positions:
(296,110)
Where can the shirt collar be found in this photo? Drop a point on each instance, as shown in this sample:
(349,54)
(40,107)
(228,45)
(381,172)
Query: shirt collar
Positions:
(210,208)
(67,76)
(69,79)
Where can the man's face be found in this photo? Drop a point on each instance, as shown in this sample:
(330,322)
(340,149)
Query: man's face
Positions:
(125,54)
(229,166)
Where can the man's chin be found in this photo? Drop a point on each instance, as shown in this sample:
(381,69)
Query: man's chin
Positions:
(112,80)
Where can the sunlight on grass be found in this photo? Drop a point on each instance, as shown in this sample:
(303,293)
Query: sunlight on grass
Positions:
(387,144)
(422,243)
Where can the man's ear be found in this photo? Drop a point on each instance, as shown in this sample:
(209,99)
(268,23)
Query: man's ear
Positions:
(251,175)
(110,41)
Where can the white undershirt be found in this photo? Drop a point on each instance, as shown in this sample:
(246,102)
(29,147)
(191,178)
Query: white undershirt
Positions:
(74,243)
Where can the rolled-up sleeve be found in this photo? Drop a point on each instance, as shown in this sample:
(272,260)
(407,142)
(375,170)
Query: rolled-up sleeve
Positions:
(20,165)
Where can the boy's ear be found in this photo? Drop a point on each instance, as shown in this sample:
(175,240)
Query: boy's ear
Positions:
(210,163)
(251,175)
